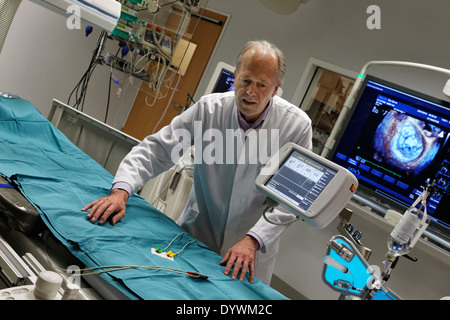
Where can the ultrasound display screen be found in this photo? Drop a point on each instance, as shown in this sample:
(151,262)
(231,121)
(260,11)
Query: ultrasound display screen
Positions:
(225,82)
(395,141)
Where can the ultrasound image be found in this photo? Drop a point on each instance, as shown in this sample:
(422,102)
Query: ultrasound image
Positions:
(406,143)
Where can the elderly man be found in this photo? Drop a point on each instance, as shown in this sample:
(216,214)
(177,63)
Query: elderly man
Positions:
(234,134)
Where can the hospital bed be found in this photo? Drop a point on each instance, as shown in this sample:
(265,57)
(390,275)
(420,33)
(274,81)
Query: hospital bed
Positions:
(51,179)
(167,192)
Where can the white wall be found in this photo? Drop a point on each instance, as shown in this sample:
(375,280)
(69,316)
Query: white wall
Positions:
(42,60)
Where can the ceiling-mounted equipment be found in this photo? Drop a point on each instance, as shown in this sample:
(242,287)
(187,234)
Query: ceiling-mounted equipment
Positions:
(101,13)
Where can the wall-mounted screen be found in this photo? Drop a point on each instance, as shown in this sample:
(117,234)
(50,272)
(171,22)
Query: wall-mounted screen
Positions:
(395,140)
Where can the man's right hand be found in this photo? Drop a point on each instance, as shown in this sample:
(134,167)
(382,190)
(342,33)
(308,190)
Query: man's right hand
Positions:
(103,208)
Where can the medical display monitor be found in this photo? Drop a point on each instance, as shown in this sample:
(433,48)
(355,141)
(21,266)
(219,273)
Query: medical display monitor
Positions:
(222,79)
(311,187)
(395,141)
(300,180)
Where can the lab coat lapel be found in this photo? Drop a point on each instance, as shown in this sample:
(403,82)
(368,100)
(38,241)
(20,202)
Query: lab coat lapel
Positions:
(246,207)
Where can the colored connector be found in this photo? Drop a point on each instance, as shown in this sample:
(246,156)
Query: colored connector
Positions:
(196,275)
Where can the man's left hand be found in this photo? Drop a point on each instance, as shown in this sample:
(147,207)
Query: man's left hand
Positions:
(241,257)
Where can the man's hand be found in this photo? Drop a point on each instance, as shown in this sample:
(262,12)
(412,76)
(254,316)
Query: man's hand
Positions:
(242,256)
(103,208)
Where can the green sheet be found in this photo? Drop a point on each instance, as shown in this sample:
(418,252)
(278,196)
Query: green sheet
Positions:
(59,179)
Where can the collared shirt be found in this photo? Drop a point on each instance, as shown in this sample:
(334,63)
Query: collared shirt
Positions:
(244,125)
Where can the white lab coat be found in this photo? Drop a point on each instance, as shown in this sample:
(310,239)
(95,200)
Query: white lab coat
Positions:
(224,203)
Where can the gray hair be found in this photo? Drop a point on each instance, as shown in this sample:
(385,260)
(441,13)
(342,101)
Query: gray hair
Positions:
(278,53)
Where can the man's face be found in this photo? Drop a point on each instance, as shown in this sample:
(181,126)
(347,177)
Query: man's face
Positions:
(256,82)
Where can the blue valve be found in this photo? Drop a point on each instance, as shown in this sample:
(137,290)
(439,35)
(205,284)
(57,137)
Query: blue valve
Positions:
(88,30)
(125,50)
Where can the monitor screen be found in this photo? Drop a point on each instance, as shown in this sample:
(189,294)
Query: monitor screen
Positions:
(222,79)
(395,141)
(225,81)
(300,180)
(309,186)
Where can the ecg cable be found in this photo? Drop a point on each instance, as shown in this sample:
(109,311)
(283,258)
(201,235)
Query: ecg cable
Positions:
(170,253)
(91,271)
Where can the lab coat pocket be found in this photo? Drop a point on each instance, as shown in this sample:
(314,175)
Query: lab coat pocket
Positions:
(189,215)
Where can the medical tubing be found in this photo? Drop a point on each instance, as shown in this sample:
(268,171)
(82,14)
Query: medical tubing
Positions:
(168,104)
(269,205)
(183,246)
(109,94)
(112,268)
(175,253)
(84,81)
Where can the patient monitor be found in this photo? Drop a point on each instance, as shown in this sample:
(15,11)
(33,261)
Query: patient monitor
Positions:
(309,186)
